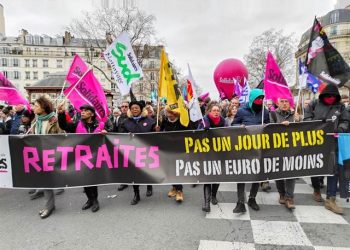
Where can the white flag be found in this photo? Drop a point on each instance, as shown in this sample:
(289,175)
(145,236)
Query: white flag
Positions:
(123,61)
(244,97)
(193,104)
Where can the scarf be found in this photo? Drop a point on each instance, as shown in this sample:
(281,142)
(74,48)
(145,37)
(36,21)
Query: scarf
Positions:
(215,120)
(329,100)
(137,118)
(40,119)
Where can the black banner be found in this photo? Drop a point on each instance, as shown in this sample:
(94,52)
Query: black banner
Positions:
(233,154)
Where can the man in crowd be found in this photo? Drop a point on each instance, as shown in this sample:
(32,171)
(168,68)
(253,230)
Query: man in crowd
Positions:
(16,120)
(284,115)
(124,107)
(327,106)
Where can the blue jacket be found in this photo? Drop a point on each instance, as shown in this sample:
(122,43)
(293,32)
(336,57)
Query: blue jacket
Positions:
(246,115)
(16,122)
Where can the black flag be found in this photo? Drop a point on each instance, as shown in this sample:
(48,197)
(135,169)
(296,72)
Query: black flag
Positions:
(323,60)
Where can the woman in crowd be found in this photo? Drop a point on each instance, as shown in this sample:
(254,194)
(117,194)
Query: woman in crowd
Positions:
(87,124)
(232,111)
(138,122)
(45,123)
(212,119)
(5,129)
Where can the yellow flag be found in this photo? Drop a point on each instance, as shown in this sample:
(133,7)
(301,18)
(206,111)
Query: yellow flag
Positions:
(169,89)
(163,81)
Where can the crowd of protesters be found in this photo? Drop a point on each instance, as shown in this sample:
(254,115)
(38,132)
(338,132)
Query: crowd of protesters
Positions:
(141,117)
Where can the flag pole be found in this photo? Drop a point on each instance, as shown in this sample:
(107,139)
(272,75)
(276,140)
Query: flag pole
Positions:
(299,94)
(263,110)
(158,107)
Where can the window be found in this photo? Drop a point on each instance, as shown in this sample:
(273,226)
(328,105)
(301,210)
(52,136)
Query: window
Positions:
(151,65)
(152,76)
(59,64)
(16,75)
(59,52)
(157,53)
(4,62)
(35,63)
(152,53)
(333,31)
(45,63)
(141,87)
(27,75)
(15,62)
(35,75)
(36,51)
(113,87)
(27,63)
(45,74)
(28,50)
(335,17)
(46,51)
(5,50)
(5,73)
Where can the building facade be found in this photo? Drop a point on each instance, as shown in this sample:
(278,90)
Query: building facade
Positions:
(27,59)
(336,23)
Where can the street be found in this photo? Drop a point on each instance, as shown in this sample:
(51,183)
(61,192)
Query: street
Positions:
(158,222)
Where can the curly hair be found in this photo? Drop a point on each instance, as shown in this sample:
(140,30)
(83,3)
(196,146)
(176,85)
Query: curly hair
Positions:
(211,105)
(45,104)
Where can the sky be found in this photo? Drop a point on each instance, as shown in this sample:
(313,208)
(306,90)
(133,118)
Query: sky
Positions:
(200,33)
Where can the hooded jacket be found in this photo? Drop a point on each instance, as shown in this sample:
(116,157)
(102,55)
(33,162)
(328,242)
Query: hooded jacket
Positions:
(318,110)
(247,116)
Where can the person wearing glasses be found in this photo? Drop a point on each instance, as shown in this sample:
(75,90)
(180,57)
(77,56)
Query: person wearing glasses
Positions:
(118,128)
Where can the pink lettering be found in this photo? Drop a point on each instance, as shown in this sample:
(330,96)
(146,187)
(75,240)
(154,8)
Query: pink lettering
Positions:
(79,158)
(64,159)
(140,156)
(115,157)
(30,160)
(47,160)
(153,154)
(103,155)
(126,149)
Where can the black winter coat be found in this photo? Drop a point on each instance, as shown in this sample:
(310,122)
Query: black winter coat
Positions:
(318,110)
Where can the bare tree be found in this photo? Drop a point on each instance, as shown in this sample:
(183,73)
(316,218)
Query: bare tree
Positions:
(281,46)
(103,22)
(101,26)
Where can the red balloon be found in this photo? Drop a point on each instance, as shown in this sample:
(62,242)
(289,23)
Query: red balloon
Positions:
(226,74)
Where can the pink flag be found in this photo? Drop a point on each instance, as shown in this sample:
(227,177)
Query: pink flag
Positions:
(275,86)
(87,90)
(76,70)
(10,94)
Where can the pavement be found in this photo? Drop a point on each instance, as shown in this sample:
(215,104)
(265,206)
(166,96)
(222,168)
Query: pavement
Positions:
(158,222)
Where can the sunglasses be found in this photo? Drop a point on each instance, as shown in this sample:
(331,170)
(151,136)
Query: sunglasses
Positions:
(124,106)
